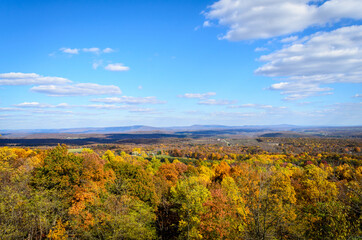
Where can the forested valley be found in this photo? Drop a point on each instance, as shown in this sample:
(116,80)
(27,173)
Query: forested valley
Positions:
(299,189)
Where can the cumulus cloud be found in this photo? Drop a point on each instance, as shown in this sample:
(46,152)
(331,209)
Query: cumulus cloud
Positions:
(216,102)
(358,95)
(322,58)
(118,67)
(129,100)
(250,19)
(92,50)
(108,50)
(300,90)
(81,89)
(70,50)
(198,95)
(98,50)
(18,78)
(56,86)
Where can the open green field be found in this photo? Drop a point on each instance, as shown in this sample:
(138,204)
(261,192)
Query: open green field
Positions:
(75,150)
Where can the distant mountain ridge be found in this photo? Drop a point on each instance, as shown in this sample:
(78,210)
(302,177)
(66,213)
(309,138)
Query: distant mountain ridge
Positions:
(145,128)
(147,134)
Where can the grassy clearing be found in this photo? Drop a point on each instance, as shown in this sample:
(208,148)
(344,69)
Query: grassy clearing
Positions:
(75,150)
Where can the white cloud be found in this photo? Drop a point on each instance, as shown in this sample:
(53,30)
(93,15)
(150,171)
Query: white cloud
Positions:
(17,78)
(70,50)
(92,50)
(198,95)
(260,49)
(341,114)
(204,98)
(207,24)
(63,105)
(141,110)
(257,106)
(118,67)
(235,115)
(250,19)
(289,39)
(32,105)
(194,112)
(115,107)
(14,75)
(103,106)
(253,105)
(5,109)
(322,58)
(215,102)
(108,50)
(129,100)
(358,95)
(300,90)
(81,89)
(40,105)
(49,112)
(97,63)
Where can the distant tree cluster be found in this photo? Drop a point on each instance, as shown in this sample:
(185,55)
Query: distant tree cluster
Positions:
(209,192)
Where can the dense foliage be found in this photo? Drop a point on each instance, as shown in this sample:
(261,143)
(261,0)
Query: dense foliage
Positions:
(190,192)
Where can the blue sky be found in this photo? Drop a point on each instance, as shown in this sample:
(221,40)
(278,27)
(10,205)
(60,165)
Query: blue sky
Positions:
(169,63)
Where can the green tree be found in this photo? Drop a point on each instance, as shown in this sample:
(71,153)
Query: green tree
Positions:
(190,195)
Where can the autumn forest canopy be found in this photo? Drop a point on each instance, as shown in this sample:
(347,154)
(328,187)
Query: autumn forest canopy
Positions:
(300,188)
